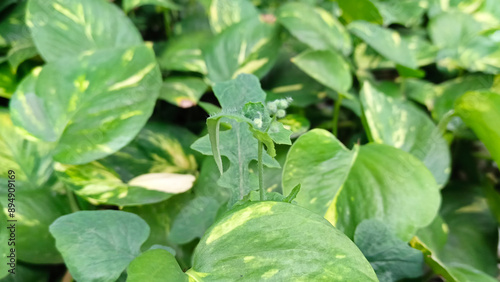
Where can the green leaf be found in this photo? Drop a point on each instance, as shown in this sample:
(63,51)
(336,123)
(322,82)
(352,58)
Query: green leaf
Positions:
(296,123)
(32,161)
(8,81)
(69,101)
(68,28)
(473,231)
(385,41)
(478,110)
(12,26)
(184,92)
(250,46)
(391,258)
(99,245)
(373,186)
(21,50)
(315,27)
(359,10)
(155,265)
(469,253)
(327,67)
(336,182)
(225,13)
(193,220)
(242,101)
(276,236)
(129,5)
(321,164)
(160,153)
(183,53)
(236,93)
(406,12)
(160,217)
(404,126)
(240,147)
(420,91)
(35,211)
(458,35)
(28,273)
(449,91)
(5,248)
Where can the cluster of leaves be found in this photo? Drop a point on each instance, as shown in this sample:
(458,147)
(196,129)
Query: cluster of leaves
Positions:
(120,175)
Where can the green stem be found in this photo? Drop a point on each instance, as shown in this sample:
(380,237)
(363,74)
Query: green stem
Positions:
(443,123)
(72,201)
(261,172)
(166,16)
(336,112)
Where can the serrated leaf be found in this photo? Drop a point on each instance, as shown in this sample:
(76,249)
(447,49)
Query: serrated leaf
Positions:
(239,146)
(99,245)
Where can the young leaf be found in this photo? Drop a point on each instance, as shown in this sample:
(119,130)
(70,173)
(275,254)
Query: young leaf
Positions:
(68,28)
(315,27)
(155,265)
(86,105)
(400,124)
(327,67)
(99,245)
(240,147)
(276,236)
(391,258)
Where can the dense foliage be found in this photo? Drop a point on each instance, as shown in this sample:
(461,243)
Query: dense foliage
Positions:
(249,140)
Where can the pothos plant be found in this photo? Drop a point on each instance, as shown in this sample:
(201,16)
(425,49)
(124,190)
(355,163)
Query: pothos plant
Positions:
(120,176)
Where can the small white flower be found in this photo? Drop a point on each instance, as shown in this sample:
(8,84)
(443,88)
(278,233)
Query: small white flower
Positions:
(258,122)
(281,113)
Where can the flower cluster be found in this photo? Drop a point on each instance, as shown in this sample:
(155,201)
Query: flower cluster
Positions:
(278,107)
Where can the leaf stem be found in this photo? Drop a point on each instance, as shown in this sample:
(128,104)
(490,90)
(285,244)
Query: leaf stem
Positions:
(443,123)
(72,201)
(167,18)
(338,103)
(261,171)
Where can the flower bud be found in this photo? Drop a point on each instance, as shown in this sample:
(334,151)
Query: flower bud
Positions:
(280,113)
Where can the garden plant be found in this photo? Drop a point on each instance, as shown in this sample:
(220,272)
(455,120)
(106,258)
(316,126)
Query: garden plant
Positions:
(249,140)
